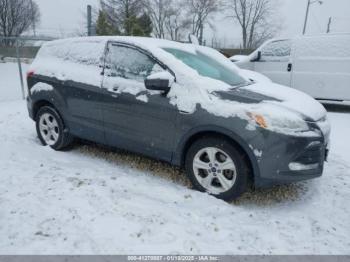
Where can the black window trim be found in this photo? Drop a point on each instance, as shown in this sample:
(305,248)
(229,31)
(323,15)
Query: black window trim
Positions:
(143,51)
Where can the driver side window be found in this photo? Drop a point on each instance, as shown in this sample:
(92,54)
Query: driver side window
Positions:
(276,51)
(130,63)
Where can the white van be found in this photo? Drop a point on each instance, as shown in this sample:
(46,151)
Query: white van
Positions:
(316,65)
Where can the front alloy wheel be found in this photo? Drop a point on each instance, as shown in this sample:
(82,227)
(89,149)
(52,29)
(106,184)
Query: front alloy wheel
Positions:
(216,166)
(215,170)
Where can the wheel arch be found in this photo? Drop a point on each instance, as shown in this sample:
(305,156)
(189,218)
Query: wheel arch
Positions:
(238,142)
(45,102)
(40,98)
(41,103)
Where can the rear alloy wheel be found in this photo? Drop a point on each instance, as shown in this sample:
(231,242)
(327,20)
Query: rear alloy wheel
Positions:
(215,166)
(51,130)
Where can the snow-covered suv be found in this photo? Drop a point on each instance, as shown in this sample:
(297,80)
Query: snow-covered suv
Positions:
(180,103)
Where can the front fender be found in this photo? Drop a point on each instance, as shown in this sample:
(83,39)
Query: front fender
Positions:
(182,146)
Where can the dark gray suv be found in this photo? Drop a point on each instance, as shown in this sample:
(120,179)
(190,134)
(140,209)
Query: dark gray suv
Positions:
(184,104)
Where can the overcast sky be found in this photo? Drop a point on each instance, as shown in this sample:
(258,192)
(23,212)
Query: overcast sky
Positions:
(65,17)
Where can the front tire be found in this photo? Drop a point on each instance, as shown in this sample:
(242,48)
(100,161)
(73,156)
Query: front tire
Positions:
(51,129)
(215,166)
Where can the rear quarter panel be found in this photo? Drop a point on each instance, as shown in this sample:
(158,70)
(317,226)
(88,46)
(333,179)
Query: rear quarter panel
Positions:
(53,96)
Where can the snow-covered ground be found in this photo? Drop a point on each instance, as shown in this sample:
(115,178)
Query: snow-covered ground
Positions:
(94,201)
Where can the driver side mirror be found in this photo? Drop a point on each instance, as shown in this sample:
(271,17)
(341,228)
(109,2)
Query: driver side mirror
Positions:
(160,82)
(257,57)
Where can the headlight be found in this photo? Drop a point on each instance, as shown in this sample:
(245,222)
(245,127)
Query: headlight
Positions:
(285,123)
(259,119)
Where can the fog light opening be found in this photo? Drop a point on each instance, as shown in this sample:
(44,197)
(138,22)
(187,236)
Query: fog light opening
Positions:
(302,167)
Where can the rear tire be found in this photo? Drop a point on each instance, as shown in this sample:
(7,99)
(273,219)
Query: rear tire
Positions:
(216,166)
(51,129)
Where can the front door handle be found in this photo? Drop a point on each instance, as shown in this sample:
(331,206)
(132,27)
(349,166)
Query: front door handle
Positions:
(290,67)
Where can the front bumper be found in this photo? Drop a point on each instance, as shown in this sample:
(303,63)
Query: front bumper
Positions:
(287,159)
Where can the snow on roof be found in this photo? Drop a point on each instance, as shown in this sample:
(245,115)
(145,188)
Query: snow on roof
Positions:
(142,41)
(94,46)
(334,46)
(85,51)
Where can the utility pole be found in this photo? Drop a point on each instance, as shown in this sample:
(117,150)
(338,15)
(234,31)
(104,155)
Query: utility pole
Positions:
(329,25)
(306,16)
(309,2)
(20,68)
(89,20)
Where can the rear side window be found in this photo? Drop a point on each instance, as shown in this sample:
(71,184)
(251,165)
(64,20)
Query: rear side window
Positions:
(75,60)
(75,51)
(276,51)
(130,63)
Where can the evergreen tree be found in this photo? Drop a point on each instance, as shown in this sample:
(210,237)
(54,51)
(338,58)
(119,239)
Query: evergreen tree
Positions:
(104,27)
(127,16)
(124,14)
(145,25)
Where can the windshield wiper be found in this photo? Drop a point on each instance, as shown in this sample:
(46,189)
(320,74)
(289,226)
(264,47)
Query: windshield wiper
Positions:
(242,85)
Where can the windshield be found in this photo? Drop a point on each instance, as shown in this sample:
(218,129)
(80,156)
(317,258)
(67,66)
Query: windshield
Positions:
(207,66)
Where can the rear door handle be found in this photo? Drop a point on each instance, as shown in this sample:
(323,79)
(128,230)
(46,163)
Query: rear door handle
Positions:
(290,67)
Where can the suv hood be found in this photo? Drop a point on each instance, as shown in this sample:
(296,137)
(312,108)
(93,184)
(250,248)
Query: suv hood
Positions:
(279,95)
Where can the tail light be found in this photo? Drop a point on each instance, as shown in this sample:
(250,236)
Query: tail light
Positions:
(30,74)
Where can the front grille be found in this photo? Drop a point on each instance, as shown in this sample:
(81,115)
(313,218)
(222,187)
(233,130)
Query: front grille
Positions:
(313,155)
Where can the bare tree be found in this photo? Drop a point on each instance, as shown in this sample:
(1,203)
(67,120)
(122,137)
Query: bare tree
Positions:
(200,12)
(159,11)
(177,23)
(123,13)
(255,18)
(177,26)
(17,17)
(264,32)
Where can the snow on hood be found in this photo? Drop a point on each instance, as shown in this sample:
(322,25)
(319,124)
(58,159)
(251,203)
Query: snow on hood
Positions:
(283,116)
(291,99)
